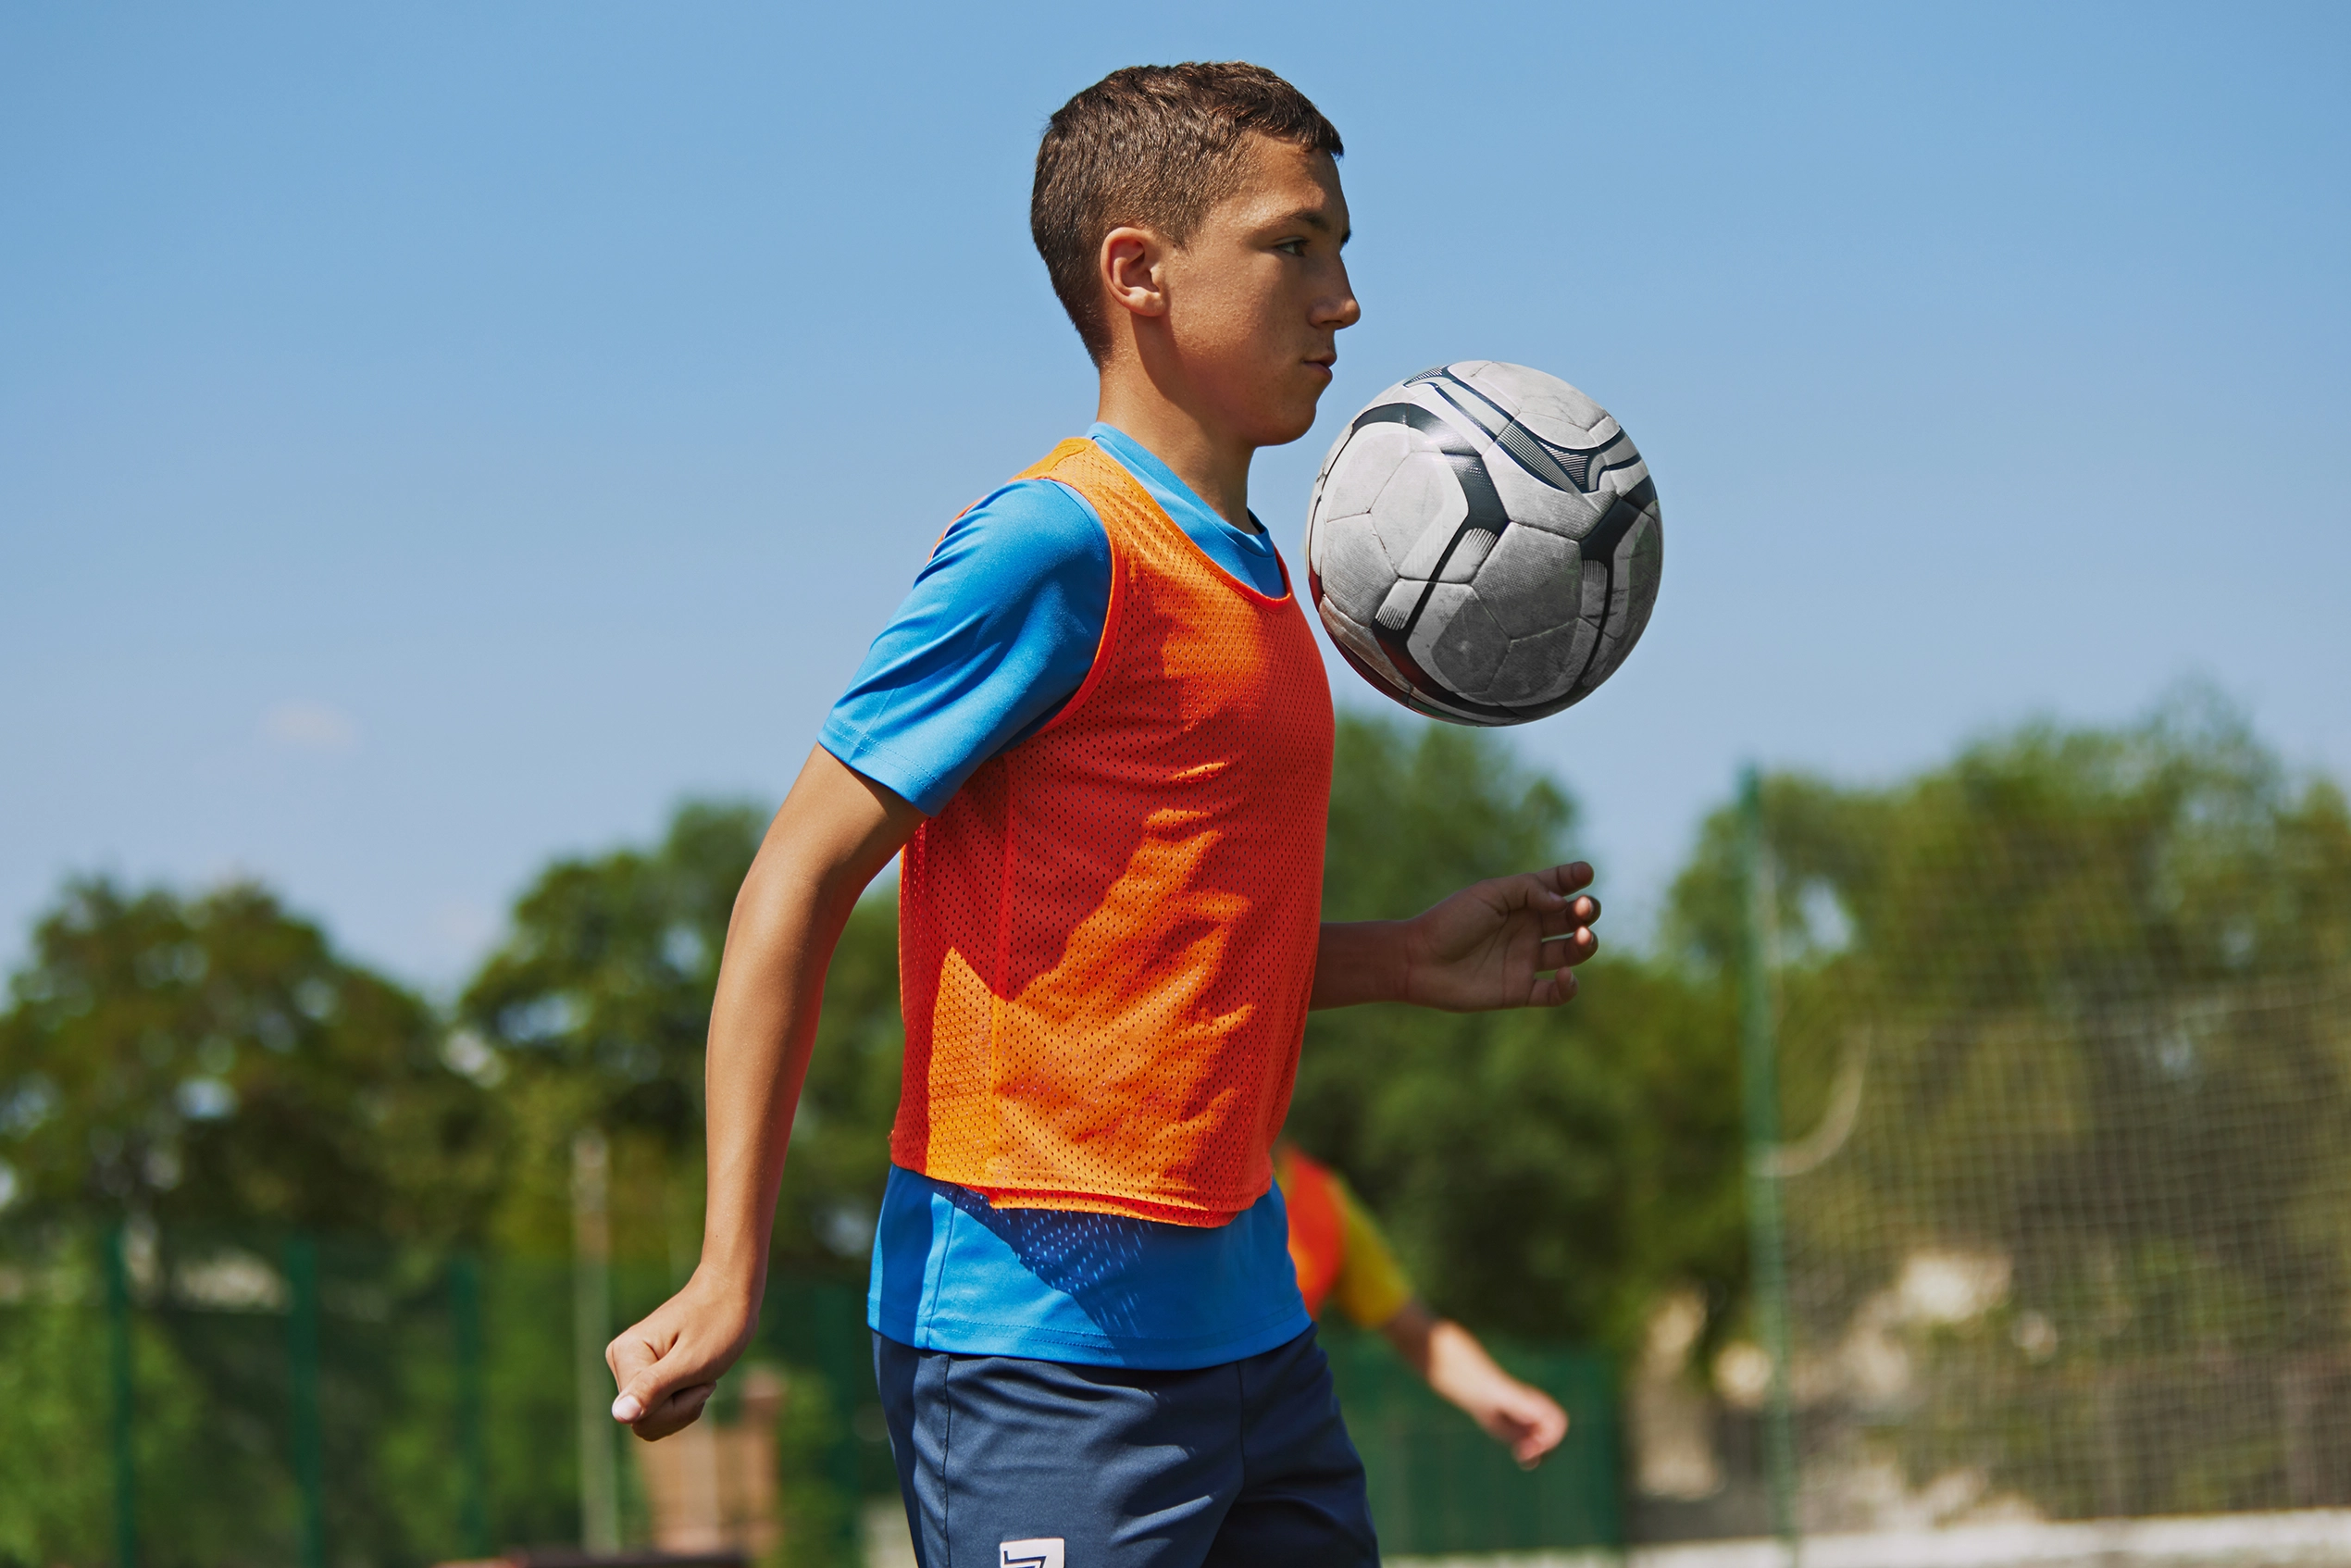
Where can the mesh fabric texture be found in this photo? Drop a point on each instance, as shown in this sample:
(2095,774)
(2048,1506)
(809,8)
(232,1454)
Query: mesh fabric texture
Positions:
(1107,937)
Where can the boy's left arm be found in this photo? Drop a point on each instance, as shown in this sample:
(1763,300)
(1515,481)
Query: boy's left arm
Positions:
(1509,942)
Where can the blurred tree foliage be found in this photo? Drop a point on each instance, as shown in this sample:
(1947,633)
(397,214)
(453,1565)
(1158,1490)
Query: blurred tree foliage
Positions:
(592,1013)
(212,1060)
(596,1009)
(1542,1173)
(2097,983)
(2077,956)
(209,1075)
(2050,941)
(2051,862)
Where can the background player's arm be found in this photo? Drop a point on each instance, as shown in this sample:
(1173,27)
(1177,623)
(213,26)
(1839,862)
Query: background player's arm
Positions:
(1520,1417)
(1374,1289)
(834,832)
(1508,942)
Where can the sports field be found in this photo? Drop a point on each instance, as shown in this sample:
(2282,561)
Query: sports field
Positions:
(2269,1541)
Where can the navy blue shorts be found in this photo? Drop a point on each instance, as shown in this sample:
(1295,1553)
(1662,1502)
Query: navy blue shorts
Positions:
(1006,1463)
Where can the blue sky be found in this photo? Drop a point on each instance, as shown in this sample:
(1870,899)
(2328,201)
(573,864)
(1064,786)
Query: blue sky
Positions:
(436,437)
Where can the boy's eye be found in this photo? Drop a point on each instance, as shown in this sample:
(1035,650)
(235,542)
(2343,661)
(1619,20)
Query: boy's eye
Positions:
(1292,247)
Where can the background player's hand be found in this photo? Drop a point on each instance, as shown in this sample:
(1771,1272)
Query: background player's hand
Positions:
(1508,942)
(668,1365)
(1518,1415)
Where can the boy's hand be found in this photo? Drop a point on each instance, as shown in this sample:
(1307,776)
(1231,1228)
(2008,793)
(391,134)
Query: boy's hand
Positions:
(835,831)
(1504,944)
(669,1364)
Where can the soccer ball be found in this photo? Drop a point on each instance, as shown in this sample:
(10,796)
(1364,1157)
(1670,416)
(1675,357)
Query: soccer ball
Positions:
(1484,543)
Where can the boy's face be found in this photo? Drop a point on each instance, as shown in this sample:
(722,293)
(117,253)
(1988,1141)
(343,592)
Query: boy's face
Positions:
(1256,299)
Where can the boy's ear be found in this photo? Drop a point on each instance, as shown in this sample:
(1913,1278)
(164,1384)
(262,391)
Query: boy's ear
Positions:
(1133,270)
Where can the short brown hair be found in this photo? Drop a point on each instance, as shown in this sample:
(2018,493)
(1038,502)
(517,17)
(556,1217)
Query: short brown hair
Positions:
(1155,146)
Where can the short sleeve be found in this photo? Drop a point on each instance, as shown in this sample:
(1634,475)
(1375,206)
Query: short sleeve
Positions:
(1372,1287)
(997,634)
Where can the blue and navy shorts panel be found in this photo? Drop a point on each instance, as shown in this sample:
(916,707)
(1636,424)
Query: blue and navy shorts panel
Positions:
(1246,1464)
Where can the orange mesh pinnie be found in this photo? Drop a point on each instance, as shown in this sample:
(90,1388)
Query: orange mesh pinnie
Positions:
(1107,939)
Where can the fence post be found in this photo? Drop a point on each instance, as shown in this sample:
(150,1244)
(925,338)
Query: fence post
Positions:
(472,1466)
(592,1326)
(301,1380)
(124,1412)
(1767,1235)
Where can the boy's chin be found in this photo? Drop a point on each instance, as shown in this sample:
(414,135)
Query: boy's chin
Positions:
(1283,426)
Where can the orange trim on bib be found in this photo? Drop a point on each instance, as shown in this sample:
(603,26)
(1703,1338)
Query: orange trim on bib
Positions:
(1107,937)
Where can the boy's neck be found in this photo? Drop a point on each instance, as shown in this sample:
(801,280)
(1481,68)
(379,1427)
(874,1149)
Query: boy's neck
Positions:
(1214,464)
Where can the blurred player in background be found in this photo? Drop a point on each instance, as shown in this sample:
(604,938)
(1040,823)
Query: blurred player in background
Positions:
(1343,1259)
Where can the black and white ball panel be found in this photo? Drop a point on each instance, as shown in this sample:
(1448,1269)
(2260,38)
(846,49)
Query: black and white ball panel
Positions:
(1484,542)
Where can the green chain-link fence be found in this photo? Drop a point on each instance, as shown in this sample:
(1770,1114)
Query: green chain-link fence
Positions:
(210,1400)
(2051,1167)
(1440,1486)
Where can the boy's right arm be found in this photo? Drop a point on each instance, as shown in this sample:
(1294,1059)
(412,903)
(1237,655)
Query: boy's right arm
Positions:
(833,833)
(998,631)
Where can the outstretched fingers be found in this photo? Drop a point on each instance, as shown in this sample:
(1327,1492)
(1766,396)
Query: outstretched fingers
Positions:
(1552,989)
(1568,879)
(1567,937)
(1549,890)
(1506,942)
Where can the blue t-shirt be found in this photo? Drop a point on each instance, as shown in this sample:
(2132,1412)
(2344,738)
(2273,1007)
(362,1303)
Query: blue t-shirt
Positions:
(995,636)
(953,1271)
(1001,627)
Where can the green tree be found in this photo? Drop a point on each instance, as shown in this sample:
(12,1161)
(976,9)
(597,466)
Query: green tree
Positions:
(212,1061)
(209,1075)
(1543,1172)
(2094,982)
(597,1009)
(592,1013)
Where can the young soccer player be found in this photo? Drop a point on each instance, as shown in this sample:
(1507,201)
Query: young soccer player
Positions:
(1099,731)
